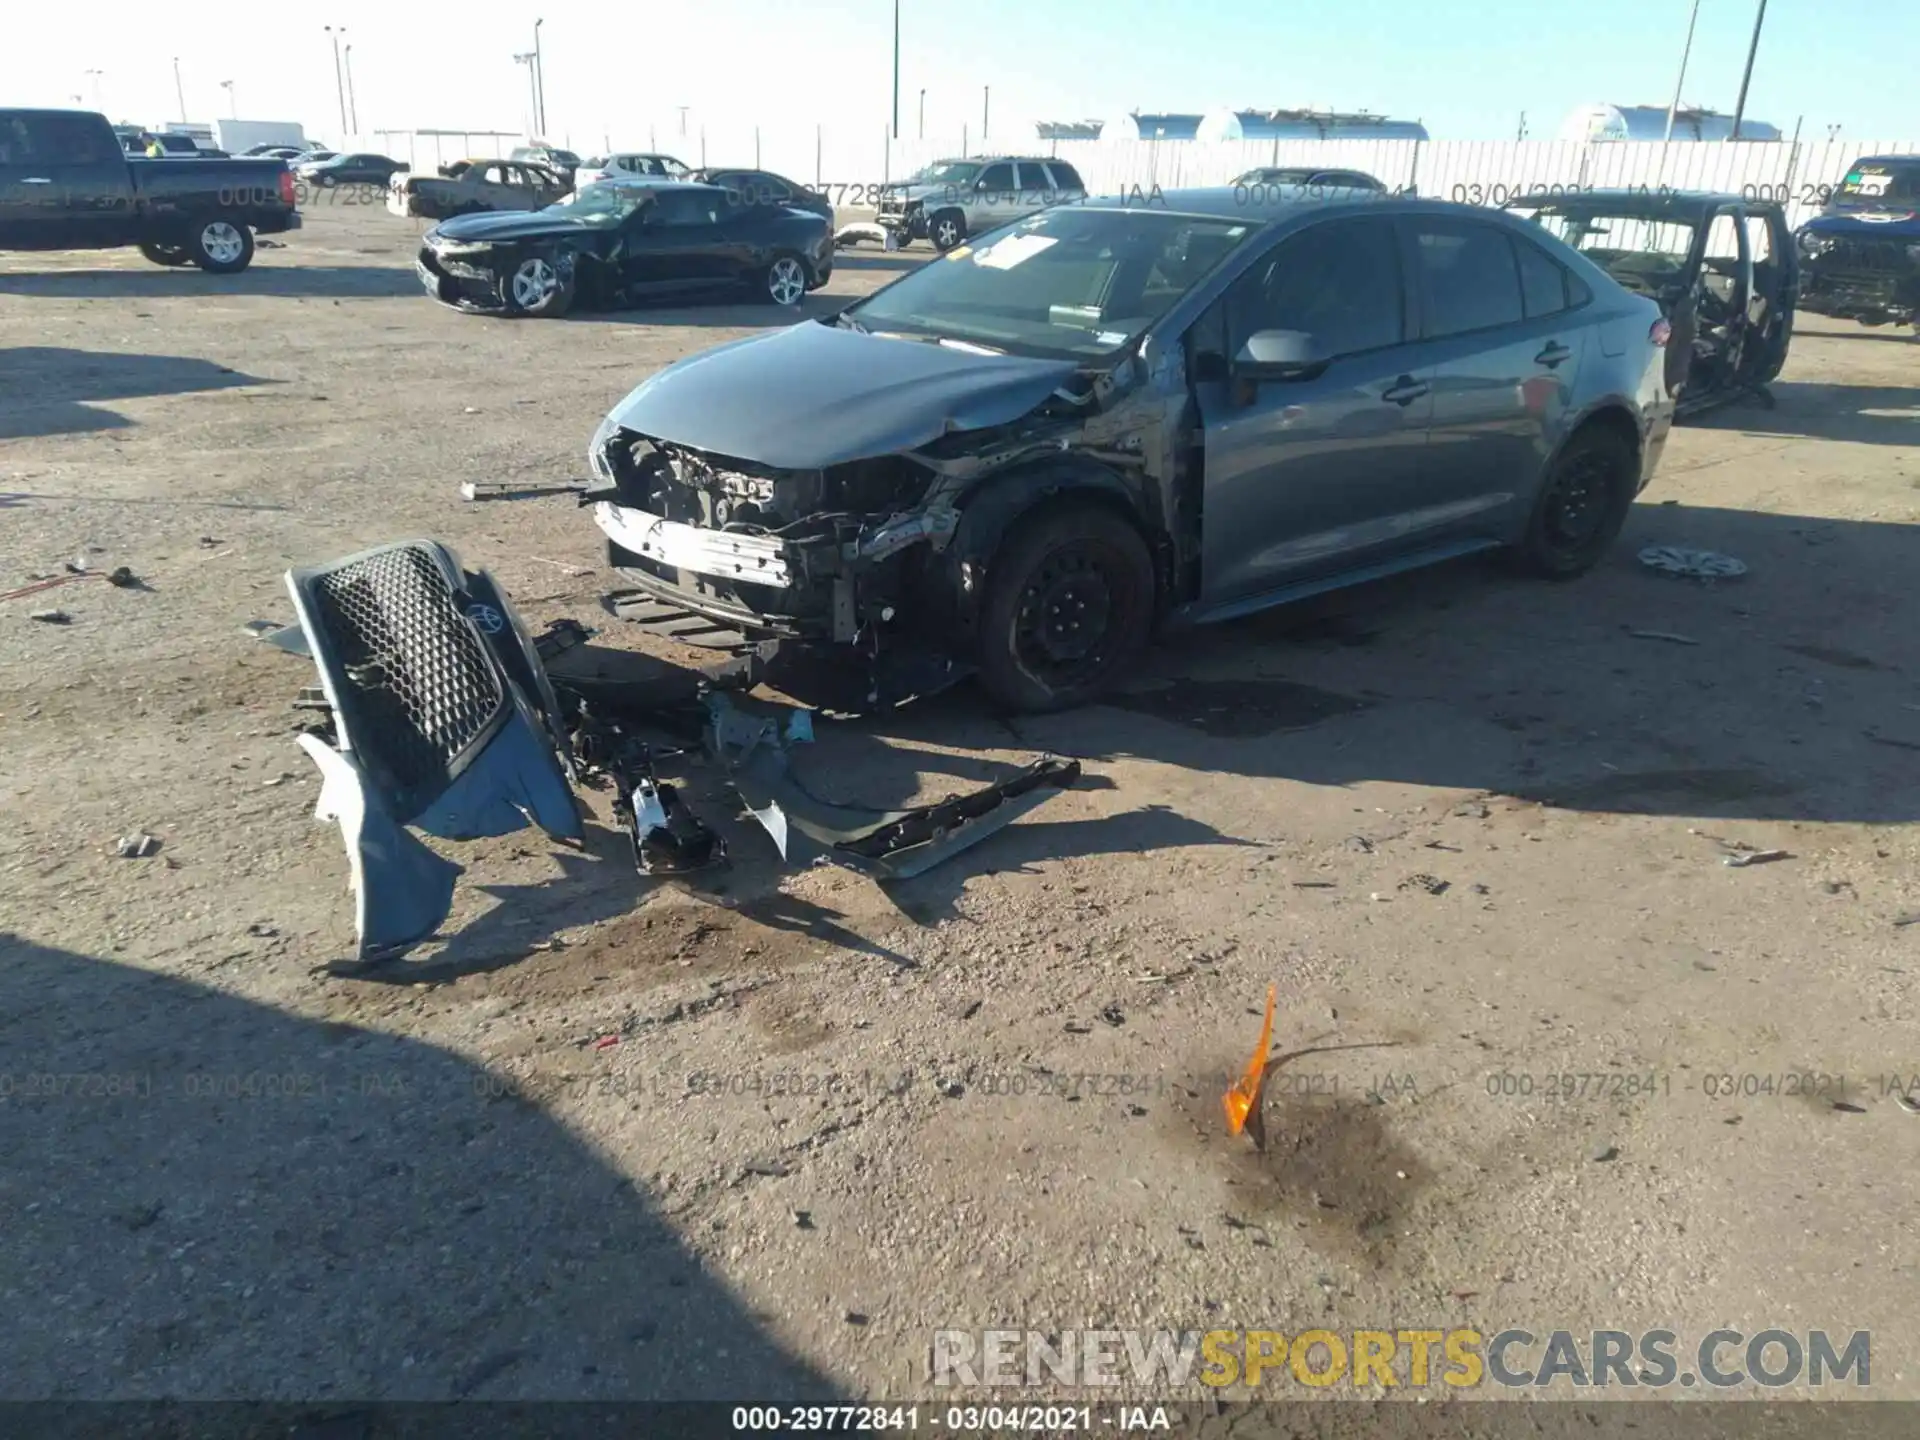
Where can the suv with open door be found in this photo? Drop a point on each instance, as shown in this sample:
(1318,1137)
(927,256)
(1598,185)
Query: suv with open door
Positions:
(1723,270)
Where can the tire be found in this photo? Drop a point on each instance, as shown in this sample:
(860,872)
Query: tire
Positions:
(221,247)
(166,254)
(947,229)
(1583,502)
(327,182)
(540,286)
(785,281)
(1071,561)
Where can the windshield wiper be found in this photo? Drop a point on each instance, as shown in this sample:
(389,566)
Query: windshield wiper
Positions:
(968,345)
(847,321)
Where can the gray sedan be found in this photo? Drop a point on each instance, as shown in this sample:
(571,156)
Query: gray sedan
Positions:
(1145,412)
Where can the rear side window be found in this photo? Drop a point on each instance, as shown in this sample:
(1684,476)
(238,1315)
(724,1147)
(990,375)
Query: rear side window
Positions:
(1338,281)
(1034,176)
(1065,176)
(57,140)
(1470,277)
(997,177)
(1543,282)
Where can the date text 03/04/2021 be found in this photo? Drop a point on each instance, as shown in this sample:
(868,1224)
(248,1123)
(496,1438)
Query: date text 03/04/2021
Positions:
(955,1419)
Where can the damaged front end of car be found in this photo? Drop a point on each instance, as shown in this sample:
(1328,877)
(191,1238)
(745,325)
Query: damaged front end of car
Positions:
(876,561)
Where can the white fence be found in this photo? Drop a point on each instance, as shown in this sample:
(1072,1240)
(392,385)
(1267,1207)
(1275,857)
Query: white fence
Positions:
(1492,172)
(850,167)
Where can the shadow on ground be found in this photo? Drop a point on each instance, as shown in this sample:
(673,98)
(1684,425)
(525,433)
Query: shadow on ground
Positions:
(304,281)
(52,390)
(1786,694)
(1856,414)
(211,1198)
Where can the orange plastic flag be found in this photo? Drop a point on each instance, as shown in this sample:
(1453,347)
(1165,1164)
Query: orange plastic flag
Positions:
(1243,1096)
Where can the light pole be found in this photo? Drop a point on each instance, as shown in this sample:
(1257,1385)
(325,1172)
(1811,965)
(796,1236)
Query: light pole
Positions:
(1753,48)
(1678,84)
(986,95)
(179,93)
(923,113)
(339,85)
(94,76)
(539,81)
(525,58)
(683,118)
(233,106)
(353,110)
(896,69)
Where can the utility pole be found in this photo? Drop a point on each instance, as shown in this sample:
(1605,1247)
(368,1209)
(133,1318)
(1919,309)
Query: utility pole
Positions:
(1685,51)
(353,110)
(339,85)
(1522,134)
(896,69)
(178,92)
(1753,48)
(539,82)
(923,113)
(233,106)
(525,58)
(683,118)
(986,95)
(94,76)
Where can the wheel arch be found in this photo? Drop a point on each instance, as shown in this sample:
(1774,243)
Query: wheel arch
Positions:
(990,512)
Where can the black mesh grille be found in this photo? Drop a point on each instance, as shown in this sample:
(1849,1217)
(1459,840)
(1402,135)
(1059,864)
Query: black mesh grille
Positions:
(423,689)
(1866,257)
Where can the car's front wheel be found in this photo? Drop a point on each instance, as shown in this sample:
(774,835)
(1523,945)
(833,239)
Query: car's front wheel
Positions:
(947,229)
(221,247)
(785,280)
(166,254)
(1583,502)
(1069,605)
(540,286)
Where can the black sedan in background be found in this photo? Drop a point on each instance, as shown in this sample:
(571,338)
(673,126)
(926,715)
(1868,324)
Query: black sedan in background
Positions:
(622,243)
(763,187)
(348,170)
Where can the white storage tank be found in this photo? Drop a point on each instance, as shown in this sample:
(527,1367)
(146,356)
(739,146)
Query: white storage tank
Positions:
(1649,122)
(1230,124)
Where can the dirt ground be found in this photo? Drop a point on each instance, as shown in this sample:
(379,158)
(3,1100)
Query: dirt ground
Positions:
(1472,829)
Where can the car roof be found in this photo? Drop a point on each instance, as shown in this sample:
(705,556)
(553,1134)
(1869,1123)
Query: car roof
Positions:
(1887,160)
(1280,201)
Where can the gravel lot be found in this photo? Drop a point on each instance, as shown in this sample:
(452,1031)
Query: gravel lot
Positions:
(1472,828)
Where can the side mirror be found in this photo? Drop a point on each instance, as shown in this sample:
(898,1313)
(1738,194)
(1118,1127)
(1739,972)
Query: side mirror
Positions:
(1279,355)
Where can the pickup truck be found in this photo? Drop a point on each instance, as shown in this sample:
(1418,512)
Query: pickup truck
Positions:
(66,184)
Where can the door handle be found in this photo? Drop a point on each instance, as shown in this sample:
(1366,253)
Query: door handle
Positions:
(1405,391)
(36,180)
(1553,354)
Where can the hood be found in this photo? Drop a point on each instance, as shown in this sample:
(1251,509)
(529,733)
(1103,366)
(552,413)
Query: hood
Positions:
(814,395)
(503,225)
(1868,219)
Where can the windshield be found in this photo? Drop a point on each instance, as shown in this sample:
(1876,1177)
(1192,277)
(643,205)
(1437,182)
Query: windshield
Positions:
(1068,282)
(566,157)
(602,204)
(948,172)
(1644,254)
(1873,182)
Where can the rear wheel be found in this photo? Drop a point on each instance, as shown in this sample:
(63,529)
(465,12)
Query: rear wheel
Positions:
(166,254)
(1069,605)
(221,247)
(541,286)
(1582,505)
(947,229)
(784,281)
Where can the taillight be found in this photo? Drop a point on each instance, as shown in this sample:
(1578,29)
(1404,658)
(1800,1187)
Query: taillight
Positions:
(286,187)
(1661,332)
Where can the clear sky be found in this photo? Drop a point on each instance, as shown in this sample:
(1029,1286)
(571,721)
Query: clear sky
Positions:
(621,69)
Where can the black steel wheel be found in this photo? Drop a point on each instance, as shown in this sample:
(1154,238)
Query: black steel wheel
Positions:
(1069,604)
(1583,503)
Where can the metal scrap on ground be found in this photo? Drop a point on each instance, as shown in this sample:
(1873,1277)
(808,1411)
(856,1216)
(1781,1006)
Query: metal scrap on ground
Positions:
(443,715)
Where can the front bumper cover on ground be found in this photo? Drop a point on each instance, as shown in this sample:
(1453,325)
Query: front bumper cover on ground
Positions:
(449,719)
